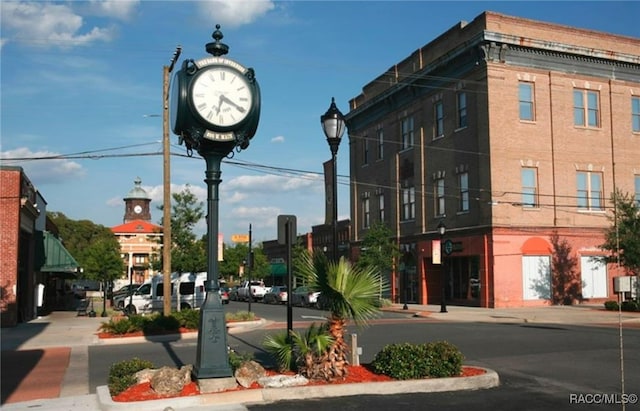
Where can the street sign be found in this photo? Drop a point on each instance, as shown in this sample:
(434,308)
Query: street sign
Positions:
(240,238)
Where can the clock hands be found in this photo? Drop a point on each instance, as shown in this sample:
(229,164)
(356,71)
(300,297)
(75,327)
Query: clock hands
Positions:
(231,103)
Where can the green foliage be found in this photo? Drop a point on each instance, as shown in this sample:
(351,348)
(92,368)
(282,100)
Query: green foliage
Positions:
(94,247)
(347,291)
(379,249)
(236,359)
(301,351)
(122,374)
(406,361)
(187,253)
(240,316)
(566,287)
(238,255)
(158,324)
(118,326)
(611,305)
(622,239)
(188,318)
(630,306)
(281,349)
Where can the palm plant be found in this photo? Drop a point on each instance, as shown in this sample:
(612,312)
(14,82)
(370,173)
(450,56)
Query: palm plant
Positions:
(348,292)
(300,351)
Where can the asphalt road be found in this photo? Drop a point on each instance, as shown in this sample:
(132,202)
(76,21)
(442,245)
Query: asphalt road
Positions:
(541,367)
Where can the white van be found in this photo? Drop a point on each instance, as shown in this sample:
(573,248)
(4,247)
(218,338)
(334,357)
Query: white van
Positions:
(187,292)
(149,297)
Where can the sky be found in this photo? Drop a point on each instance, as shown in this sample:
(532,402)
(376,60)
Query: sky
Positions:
(81,93)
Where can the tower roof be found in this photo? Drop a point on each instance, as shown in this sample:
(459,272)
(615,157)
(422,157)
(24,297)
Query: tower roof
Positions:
(137,191)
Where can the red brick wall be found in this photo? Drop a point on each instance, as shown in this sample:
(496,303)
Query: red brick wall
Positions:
(9,234)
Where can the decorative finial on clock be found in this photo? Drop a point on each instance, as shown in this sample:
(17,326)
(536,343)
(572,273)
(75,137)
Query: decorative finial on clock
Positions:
(216,47)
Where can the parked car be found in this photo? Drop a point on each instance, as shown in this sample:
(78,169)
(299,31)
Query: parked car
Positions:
(123,293)
(303,296)
(254,289)
(224,295)
(275,295)
(233,293)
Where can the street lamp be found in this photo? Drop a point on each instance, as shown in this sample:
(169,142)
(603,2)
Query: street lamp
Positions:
(333,125)
(442,229)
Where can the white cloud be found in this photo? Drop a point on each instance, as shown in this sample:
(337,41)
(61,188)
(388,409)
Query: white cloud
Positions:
(43,24)
(42,171)
(234,13)
(120,9)
(271,183)
(278,139)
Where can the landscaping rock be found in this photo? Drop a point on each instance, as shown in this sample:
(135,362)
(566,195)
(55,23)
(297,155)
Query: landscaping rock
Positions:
(145,375)
(278,381)
(249,372)
(171,381)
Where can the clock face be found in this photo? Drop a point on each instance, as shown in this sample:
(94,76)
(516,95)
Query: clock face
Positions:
(221,96)
(137,209)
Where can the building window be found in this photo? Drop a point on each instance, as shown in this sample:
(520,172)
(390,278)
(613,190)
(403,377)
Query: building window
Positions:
(407,133)
(380,144)
(463,188)
(525,96)
(439,196)
(366,213)
(637,185)
(381,207)
(586,108)
(590,193)
(408,203)
(365,150)
(462,109)
(635,114)
(438,113)
(529,177)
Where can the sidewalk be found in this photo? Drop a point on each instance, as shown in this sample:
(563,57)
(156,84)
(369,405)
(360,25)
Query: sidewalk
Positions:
(44,362)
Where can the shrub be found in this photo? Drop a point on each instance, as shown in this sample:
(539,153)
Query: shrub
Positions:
(413,361)
(122,374)
(445,360)
(240,316)
(611,305)
(188,318)
(118,326)
(236,359)
(159,324)
(403,361)
(630,306)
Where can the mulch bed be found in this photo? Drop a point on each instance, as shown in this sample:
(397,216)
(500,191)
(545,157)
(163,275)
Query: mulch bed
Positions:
(357,374)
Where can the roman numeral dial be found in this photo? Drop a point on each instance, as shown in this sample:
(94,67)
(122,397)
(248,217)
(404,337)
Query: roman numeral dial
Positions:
(221,96)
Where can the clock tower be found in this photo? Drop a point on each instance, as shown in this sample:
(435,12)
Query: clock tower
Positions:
(137,203)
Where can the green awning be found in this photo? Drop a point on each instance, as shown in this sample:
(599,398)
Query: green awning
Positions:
(278,269)
(56,258)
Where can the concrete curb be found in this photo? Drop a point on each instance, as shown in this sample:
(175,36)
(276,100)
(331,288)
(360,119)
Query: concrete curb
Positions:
(266,395)
(233,328)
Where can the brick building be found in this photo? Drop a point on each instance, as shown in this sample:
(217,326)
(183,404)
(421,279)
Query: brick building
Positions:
(513,133)
(140,240)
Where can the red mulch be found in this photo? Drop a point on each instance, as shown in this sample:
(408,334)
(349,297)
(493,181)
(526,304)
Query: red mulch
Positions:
(356,374)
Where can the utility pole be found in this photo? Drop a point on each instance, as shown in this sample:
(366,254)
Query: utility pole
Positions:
(166,203)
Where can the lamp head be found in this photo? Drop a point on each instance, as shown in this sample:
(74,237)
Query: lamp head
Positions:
(333,123)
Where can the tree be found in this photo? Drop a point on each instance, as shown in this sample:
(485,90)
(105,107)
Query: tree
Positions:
(238,255)
(88,242)
(622,239)
(188,254)
(379,250)
(348,292)
(565,280)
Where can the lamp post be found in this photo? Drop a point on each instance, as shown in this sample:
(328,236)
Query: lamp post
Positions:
(442,229)
(333,125)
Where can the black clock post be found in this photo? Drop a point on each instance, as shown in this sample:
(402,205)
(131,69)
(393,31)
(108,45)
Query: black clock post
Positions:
(215,110)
